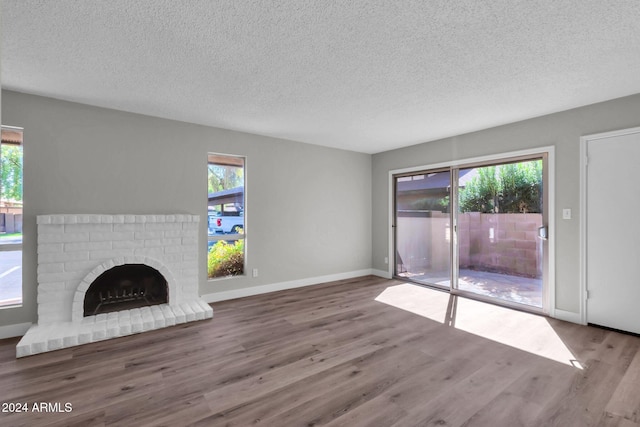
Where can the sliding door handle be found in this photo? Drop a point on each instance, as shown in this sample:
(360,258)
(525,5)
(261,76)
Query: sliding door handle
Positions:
(543,232)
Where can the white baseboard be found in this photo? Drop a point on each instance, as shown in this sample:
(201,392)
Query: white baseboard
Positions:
(381,273)
(568,316)
(274,287)
(17,330)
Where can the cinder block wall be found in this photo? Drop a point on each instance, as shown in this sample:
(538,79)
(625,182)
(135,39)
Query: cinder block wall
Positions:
(505,243)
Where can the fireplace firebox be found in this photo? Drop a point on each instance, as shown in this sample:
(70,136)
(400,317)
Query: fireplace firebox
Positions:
(125,287)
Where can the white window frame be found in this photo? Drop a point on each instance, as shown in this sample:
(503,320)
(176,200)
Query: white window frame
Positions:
(242,236)
(14,247)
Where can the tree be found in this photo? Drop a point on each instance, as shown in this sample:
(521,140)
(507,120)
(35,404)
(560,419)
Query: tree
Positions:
(224,177)
(11,172)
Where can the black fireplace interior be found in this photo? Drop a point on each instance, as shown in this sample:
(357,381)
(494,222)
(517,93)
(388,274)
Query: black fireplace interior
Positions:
(125,287)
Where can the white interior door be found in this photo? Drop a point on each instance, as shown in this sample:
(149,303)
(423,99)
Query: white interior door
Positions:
(613,231)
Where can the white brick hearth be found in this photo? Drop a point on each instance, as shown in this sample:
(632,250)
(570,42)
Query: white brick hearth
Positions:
(73,250)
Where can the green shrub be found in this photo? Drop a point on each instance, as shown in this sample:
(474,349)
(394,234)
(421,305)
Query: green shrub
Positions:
(481,193)
(226,259)
(431,204)
(509,188)
(521,187)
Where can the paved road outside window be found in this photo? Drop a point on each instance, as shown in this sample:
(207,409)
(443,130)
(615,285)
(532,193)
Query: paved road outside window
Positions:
(10,277)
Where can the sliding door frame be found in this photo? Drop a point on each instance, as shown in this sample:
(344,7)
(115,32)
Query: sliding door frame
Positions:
(548,155)
(394,231)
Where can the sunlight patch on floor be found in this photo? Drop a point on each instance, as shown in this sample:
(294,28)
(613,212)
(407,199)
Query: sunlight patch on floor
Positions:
(524,331)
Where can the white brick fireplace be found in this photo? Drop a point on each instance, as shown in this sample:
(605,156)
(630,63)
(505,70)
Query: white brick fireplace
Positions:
(74,250)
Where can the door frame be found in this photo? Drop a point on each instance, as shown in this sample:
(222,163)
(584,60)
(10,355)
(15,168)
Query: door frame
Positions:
(584,162)
(549,151)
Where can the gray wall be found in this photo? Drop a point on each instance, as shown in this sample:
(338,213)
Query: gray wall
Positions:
(562,130)
(312,211)
(308,207)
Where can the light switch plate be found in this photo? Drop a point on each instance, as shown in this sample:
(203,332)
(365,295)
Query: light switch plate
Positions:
(566,213)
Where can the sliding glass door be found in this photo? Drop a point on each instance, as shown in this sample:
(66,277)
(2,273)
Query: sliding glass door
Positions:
(423,227)
(500,210)
(475,229)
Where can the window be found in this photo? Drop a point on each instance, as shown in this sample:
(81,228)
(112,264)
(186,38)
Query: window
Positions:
(225,216)
(11,217)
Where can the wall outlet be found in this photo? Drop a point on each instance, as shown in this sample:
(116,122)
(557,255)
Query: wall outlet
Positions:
(386,260)
(255,272)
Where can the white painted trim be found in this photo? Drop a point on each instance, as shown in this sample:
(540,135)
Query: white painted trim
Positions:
(568,316)
(551,218)
(582,238)
(549,150)
(611,134)
(281,286)
(381,273)
(584,141)
(16,330)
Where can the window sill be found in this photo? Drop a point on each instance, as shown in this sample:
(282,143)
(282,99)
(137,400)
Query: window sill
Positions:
(218,279)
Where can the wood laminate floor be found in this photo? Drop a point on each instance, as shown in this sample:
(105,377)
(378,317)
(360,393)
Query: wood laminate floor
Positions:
(360,352)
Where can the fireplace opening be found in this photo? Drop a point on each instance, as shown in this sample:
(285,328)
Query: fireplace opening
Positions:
(125,287)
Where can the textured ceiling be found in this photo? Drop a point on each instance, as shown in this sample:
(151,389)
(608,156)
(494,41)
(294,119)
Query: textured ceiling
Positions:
(361,75)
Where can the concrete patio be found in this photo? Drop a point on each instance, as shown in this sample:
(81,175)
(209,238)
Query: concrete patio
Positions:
(516,289)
